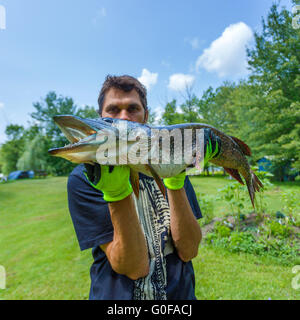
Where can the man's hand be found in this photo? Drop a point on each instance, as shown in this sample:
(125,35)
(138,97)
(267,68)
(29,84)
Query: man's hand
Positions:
(127,253)
(212,145)
(112,181)
(212,148)
(176,182)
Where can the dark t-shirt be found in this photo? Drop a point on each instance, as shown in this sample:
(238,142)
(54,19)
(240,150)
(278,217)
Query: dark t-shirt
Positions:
(169,277)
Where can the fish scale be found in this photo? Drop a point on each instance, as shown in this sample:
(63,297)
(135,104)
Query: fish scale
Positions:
(85,140)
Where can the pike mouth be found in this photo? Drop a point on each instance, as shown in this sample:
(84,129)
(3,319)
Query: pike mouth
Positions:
(85,144)
(81,135)
(74,128)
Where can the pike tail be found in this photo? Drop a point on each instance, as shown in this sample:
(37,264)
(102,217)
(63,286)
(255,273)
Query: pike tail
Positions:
(253,185)
(235,174)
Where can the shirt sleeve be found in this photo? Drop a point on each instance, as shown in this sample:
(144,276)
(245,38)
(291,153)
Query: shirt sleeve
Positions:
(190,192)
(89,213)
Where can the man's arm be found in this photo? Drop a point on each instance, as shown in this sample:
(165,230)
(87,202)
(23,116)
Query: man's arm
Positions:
(185,230)
(127,253)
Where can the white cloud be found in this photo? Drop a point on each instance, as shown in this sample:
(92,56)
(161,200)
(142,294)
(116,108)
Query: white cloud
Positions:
(148,79)
(158,110)
(227,54)
(179,81)
(1,105)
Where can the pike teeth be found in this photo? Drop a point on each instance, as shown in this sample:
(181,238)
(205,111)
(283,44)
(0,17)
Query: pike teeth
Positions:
(72,144)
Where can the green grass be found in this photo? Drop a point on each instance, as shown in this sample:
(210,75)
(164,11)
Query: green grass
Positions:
(39,249)
(223,275)
(210,185)
(40,253)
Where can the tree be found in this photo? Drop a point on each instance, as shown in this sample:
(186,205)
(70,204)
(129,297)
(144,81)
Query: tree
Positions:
(14,131)
(275,67)
(1,161)
(215,108)
(13,148)
(35,155)
(51,106)
(189,109)
(151,117)
(170,115)
(87,112)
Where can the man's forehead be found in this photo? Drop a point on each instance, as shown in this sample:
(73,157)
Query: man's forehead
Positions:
(117,96)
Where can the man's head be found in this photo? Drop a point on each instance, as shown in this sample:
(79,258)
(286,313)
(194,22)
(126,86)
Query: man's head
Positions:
(123,97)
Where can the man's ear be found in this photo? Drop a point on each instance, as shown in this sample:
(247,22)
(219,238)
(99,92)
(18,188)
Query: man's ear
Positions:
(146,116)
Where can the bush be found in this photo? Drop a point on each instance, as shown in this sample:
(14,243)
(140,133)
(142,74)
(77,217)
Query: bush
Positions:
(221,230)
(279,230)
(291,201)
(207,208)
(270,239)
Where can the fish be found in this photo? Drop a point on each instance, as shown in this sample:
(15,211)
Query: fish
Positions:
(143,149)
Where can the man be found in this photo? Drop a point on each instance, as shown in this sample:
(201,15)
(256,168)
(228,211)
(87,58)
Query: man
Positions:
(143,247)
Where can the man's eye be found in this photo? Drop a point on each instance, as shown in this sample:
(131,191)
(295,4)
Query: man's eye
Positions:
(133,109)
(114,110)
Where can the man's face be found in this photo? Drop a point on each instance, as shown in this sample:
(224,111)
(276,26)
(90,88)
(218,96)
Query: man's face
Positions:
(124,105)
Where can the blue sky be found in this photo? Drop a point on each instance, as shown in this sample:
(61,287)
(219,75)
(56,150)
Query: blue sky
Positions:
(69,46)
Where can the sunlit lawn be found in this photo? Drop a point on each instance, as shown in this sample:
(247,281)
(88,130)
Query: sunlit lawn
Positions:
(41,256)
(209,186)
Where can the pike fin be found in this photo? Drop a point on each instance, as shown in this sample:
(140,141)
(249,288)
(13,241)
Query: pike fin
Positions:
(253,185)
(235,174)
(256,182)
(135,182)
(157,179)
(245,148)
(251,192)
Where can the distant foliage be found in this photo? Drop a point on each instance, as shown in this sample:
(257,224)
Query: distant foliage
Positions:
(35,155)
(11,151)
(26,149)
(272,238)
(264,110)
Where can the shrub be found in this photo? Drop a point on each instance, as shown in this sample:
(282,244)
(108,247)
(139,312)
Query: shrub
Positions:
(279,230)
(291,207)
(207,208)
(222,231)
(270,239)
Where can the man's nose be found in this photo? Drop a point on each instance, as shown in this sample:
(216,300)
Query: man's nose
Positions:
(124,115)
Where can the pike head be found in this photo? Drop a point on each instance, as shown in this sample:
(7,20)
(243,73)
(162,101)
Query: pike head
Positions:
(84,138)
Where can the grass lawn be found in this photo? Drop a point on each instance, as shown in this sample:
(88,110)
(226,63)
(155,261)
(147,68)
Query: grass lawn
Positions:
(210,185)
(223,275)
(41,256)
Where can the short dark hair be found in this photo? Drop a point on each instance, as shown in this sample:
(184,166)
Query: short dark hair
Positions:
(125,83)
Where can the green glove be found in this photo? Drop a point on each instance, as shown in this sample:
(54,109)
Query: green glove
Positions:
(212,145)
(176,182)
(112,181)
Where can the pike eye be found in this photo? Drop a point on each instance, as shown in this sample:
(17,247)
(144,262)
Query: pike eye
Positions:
(109,120)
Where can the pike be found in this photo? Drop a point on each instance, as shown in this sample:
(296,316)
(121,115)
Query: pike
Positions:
(90,137)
